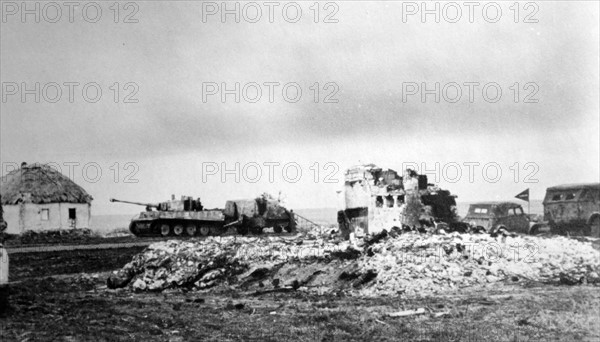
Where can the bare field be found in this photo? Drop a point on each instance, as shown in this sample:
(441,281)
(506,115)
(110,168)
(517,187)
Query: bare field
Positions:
(52,300)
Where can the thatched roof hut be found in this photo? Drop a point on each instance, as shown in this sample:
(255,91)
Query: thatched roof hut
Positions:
(39,184)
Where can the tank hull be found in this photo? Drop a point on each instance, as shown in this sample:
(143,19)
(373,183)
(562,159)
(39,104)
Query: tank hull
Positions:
(175,223)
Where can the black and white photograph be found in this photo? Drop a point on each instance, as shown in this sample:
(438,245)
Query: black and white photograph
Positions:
(309,170)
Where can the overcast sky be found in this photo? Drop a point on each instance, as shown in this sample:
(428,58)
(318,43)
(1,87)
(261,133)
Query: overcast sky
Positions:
(370,57)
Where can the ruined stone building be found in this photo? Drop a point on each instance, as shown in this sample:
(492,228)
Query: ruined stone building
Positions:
(376,199)
(38,197)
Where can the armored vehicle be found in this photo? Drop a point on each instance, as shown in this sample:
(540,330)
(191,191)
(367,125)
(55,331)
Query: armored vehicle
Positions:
(187,217)
(573,208)
(254,215)
(493,216)
(3,266)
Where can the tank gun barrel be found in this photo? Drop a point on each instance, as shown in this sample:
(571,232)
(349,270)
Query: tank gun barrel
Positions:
(152,205)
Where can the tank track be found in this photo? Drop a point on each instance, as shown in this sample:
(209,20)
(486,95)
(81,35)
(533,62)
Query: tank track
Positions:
(190,228)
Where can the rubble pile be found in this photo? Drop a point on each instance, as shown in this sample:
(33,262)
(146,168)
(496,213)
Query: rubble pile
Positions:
(388,264)
(204,263)
(417,263)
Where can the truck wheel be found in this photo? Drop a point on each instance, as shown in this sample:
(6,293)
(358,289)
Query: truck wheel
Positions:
(190,230)
(242,230)
(288,229)
(257,230)
(165,229)
(278,229)
(595,227)
(534,230)
(556,229)
(204,230)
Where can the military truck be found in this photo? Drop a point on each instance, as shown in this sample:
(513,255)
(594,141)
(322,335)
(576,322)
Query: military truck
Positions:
(376,199)
(3,265)
(188,217)
(573,208)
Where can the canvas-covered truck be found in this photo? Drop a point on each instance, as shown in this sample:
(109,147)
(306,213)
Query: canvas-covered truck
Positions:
(3,265)
(3,279)
(573,208)
(188,217)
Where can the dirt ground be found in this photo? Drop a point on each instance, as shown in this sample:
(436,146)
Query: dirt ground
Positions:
(52,300)
(39,265)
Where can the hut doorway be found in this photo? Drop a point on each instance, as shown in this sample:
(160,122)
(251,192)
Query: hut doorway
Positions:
(72,214)
(72,217)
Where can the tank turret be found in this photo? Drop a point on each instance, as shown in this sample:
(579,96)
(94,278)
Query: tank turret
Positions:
(186,203)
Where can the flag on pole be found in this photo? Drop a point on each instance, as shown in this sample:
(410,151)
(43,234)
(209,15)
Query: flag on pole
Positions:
(524,195)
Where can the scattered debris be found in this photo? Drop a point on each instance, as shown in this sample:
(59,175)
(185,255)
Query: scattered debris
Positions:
(405,313)
(441,314)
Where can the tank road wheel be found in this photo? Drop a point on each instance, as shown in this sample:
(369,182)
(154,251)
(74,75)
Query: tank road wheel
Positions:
(242,230)
(165,229)
(204,230)
(216,231)
(178,229)
(190,229)
(278,228)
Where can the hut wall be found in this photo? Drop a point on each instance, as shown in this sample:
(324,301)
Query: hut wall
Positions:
(30,216)
(83,213)
(11,216)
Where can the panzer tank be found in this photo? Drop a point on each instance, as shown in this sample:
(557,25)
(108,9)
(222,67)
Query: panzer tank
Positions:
(187,217)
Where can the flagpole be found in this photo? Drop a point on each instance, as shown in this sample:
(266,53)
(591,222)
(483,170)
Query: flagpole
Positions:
(524,196)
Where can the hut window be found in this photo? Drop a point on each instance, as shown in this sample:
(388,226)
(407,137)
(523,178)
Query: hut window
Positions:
(72,214)
(379,202)
(45,214)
